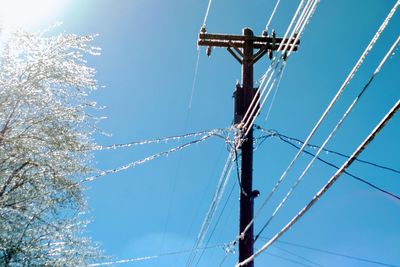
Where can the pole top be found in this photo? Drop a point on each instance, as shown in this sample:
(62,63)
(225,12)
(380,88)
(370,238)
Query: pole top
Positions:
(247,32)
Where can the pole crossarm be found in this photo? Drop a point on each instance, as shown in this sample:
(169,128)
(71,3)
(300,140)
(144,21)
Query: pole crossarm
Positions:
(260,42)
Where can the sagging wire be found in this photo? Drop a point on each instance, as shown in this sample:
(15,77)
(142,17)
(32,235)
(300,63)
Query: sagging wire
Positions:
(154,156)
(156,140)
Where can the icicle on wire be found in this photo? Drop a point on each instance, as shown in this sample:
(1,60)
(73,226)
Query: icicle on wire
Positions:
(331,181)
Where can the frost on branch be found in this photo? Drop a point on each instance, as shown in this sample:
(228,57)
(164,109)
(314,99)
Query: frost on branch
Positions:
(45,134)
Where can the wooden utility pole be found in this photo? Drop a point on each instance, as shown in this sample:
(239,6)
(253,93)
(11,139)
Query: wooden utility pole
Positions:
(242,47)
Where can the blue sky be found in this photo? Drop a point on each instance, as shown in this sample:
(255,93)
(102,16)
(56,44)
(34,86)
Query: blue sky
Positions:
(147,66)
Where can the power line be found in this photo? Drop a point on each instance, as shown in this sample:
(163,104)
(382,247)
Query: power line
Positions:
(333,101)
(272,14)
(297,256)
(346,172)
(158,140)
(291,141)
(315,157)
(152,157)
(336,167)
(288,138)
(218,220)
(275,93)
(331,181)
(145,258)
(308,10)
(207,11)
(253,110)
(331,252)
(223,180)
(305,16)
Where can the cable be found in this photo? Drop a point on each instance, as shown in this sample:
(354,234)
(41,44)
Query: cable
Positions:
(331,252)
(157,140)
(152,257)
(337,126)
(297,256)
(296,33)
(346,172)
(336,167)
(275,61)
(196,70)
(207,11)
(223,180)
(149,158)
(275,93)
(217,222)
(341,89)
(311,9)
(331,181)
(287,138)
(272,14)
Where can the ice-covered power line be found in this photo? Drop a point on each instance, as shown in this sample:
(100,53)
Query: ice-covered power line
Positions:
(333,101)
(293,140)
(152,157)
(146,258)
(331,253)
(272,14)
(223,181)
(305,16)
(334,166)
(337,167)
(207,11)
(302,21)
(167,139)
(297,256)
(331,181)
(337,126)
(275,93)
(269,72)
(196,71)
(306,12)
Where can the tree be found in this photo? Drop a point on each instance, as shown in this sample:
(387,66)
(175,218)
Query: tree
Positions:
(45,143)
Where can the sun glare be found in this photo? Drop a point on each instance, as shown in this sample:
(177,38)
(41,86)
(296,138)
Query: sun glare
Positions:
(28,14)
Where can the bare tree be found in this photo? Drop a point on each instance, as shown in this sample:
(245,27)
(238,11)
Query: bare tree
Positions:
(45,143)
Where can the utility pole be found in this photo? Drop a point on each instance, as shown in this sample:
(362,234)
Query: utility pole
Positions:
(242,47)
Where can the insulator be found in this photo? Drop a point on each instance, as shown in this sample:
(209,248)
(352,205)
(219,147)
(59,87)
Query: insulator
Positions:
(208,51)
(270,54)
(265,33)
(284,56)
(273,34)
(203,29)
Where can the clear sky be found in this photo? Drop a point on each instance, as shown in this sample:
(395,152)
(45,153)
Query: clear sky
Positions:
(147,66)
